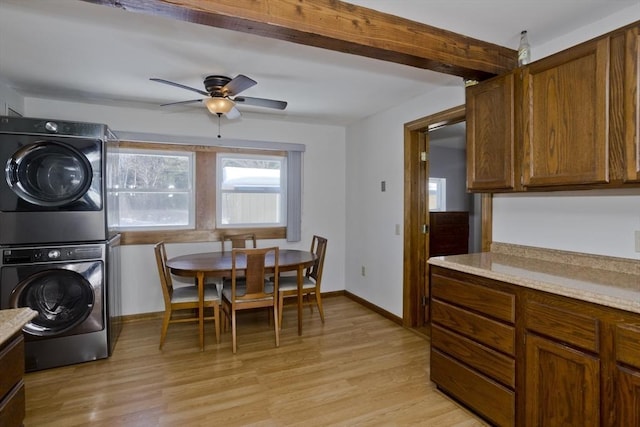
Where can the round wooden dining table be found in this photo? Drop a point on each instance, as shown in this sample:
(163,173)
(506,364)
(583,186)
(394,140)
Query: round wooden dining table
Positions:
(218,264)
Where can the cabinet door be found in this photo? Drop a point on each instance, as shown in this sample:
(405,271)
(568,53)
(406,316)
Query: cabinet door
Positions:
(632,105)
(490,134)
(628,398)
(562,385)
(565,117)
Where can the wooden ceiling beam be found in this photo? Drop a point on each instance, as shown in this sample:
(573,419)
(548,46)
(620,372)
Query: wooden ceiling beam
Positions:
(342,27)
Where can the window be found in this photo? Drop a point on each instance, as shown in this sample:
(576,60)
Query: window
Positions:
(152,189)
(251,190)
(437,194)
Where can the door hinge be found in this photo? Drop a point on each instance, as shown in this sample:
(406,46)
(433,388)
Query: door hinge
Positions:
(424,300)
(424,156)
(425,228)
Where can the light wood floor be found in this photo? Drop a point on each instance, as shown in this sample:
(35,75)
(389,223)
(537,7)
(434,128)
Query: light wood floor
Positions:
(358,369)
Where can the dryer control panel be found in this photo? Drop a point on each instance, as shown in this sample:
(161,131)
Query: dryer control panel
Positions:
(50,254)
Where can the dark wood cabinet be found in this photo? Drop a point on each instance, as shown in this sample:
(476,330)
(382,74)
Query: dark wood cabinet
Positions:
(491,163)
(449,233)
(473,343)
(563,385)
(12,396)
(522,357)
(626,411)
(631,92)
(567,121)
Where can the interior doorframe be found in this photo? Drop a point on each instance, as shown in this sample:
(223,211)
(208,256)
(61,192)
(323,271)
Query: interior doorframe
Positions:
(416,213)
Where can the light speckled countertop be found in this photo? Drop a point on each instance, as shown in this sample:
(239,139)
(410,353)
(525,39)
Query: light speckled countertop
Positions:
(609,281)
(12,320)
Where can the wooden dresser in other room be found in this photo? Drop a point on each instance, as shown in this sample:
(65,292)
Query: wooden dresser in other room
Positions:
(449,233)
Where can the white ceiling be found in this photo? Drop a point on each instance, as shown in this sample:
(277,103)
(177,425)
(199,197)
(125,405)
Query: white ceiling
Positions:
(72,50)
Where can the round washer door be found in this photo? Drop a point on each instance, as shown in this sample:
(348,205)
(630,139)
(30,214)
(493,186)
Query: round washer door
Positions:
(49,173)
(62,298)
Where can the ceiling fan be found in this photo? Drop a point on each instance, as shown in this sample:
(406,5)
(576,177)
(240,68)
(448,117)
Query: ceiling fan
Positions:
(221,93)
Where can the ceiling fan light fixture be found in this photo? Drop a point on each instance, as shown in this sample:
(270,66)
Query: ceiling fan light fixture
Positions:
(219,105)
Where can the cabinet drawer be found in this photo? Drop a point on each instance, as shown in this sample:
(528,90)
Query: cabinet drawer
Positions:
(486,397)
(563,324)
(628,344)
(489,332)
(12,364)
(12,407)
(491,363)
(493,303)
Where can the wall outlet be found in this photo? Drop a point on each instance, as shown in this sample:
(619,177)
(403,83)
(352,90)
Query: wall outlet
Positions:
(363,270)
(637,240)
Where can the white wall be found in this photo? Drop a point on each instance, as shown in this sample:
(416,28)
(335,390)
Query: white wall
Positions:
(375,152)
(323,210)
(10,99)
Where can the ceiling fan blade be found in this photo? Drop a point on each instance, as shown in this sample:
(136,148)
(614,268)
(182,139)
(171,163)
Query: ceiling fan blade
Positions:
(181,102)
(261,102)
(233,113)
(170,83)
(238,84)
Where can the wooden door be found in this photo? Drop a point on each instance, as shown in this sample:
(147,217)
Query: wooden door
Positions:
(490,135)
(565,117)
(562,385)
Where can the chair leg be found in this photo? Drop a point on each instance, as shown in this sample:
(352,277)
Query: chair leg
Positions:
(216,319)
(276,327)
(165,327)
(280,308)
(308,297)
(233,330)
(319,304)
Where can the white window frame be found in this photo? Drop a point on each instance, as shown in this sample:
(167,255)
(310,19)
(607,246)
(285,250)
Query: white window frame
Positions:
(191,225)
(441,194)
(220,157)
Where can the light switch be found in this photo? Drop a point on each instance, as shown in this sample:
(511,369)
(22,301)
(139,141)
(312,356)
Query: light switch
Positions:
(383,186)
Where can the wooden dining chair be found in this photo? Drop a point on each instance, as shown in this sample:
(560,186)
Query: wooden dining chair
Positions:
(312,280)
(254,290)
(238,240)
(183,298)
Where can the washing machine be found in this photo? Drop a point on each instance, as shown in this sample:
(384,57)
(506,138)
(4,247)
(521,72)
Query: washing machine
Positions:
(53,189)
(74,289)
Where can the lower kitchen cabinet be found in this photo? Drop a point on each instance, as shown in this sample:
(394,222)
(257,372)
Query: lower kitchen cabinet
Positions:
(626,412)
(473,344)
(563,385)
(518,356)
(12,396)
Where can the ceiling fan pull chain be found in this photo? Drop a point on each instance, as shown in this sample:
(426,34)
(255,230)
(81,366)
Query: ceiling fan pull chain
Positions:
(219,114)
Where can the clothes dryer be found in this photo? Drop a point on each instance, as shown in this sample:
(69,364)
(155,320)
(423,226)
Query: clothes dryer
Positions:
(74,289)
(54,186)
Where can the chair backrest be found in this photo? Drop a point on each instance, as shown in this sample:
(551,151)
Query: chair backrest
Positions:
(254,278)
(319,248)
(238,241)
(163,272)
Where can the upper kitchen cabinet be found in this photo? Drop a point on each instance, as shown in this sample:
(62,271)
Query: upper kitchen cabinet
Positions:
(566,116)
(568,121)
(490,135)
(632,104)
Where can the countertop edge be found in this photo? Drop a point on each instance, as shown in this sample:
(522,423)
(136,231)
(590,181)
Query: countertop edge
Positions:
(12,320)
(554,288)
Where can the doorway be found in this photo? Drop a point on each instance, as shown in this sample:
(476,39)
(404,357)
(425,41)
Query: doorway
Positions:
(416,215)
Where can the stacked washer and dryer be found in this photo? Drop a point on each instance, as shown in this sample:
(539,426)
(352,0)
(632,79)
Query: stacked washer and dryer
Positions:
(59,254)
